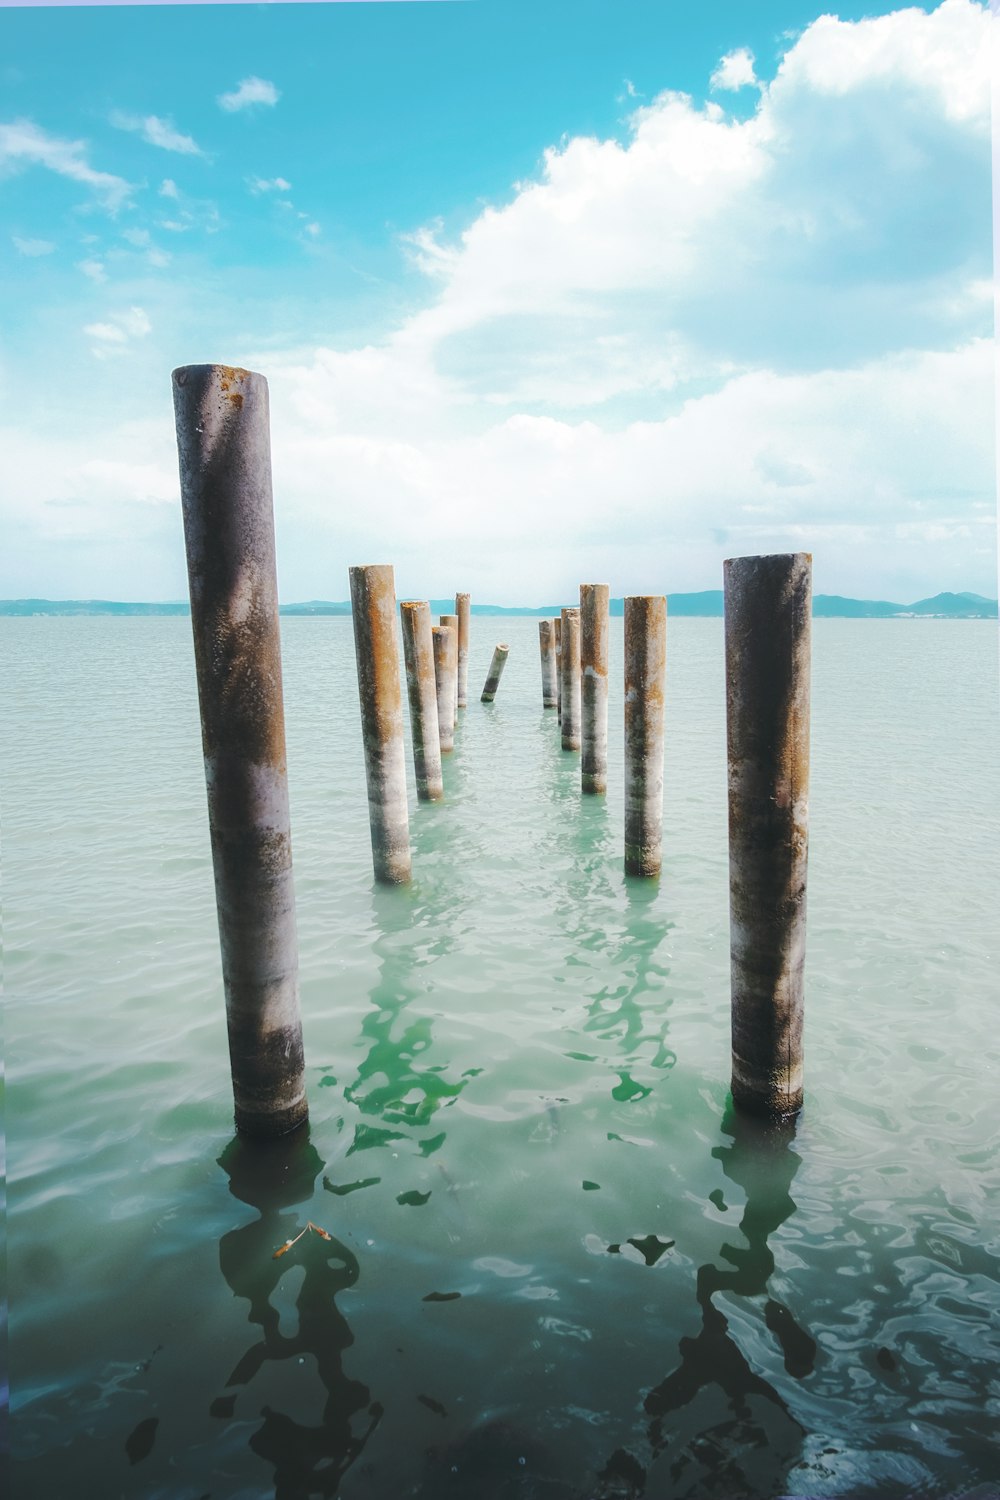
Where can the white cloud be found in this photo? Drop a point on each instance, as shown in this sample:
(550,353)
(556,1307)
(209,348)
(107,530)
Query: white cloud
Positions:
(93,269)
(157,132)
(735,71)
(269,185)
(113,337)
(251,91)
(852,204)
(168,188)
(24,144)
(32,248)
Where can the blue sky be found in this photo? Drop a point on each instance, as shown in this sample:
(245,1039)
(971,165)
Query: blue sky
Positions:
(543,291)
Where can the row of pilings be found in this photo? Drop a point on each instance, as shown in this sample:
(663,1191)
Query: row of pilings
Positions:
(225,479)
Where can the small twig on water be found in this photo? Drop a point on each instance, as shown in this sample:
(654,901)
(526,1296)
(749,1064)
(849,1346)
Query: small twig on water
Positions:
(283,1250)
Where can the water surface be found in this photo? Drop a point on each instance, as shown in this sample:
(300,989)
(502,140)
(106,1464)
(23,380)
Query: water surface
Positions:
(559,1267)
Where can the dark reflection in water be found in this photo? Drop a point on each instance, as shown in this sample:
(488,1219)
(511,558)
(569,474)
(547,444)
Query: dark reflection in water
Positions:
(749,1443)
(271,1178)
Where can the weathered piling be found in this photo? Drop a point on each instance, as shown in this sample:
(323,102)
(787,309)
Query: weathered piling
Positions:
(645,678)
(463,609)
(445,660)
(373,610)
(223,446)
(768,606)
(452,623)
(547,649)
(570,666)
(557,628)
(421,688)
(594,630)
(495,673)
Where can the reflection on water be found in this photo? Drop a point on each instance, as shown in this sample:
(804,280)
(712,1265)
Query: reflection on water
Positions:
(272,1178)
(754,1443)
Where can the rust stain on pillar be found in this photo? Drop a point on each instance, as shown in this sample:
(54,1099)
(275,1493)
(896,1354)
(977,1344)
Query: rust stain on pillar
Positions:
(645,681)
(452,621)
(495,673)
(373,611)
(594,632)
(569,638)
(224,451)
(547,650)
(557,630)
(463,609)
(421,688)
(445,673)
(768,606)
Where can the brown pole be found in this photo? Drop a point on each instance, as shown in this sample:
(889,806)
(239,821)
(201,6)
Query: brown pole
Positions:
(495,673)
(645,679)
(445,664)
(421,688)
(452,623)
(768,604)
(570,646)
(223,445)
(557,628)
(463,609)
(594,630)
(547,649)
(373,610)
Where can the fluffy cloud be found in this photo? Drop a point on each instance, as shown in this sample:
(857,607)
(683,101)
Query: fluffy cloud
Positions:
(94,270)
(269,185)
(157,132)
(831,225)
(24,144)
(113,337)
(895,454)
(251,91)
(735,71)
(32,248)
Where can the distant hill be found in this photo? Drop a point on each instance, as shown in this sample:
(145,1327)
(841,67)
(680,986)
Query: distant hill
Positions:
(707,603)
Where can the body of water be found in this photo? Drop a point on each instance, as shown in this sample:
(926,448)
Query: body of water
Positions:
(558,1265)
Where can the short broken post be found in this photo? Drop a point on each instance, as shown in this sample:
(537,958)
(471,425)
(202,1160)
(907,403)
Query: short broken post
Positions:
(445,661)
(557,628)
(645,679)
(463,609)
(495,673)
(768,607)
(421,688)
(452,623)
(224,450)
(373,610)
(594,629)
(547,649)
(570,666)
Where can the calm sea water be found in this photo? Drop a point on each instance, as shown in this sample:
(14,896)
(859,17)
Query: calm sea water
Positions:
(559,1267)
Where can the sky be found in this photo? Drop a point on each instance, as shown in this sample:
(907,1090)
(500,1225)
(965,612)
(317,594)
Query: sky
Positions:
(545,291)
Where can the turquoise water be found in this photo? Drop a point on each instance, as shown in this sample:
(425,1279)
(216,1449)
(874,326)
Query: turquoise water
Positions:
(558,1266)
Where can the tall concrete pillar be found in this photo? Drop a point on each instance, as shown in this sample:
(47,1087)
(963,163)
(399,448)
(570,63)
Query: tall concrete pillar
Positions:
(421,688)
(223,445)
(452,623)
(373,611)
(445,676)
(594,632)
(547,650)
(463,609)
(645,680)
(570,664)
(768,603)
(495,673)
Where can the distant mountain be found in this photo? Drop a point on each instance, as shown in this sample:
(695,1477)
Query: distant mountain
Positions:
(707,603)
